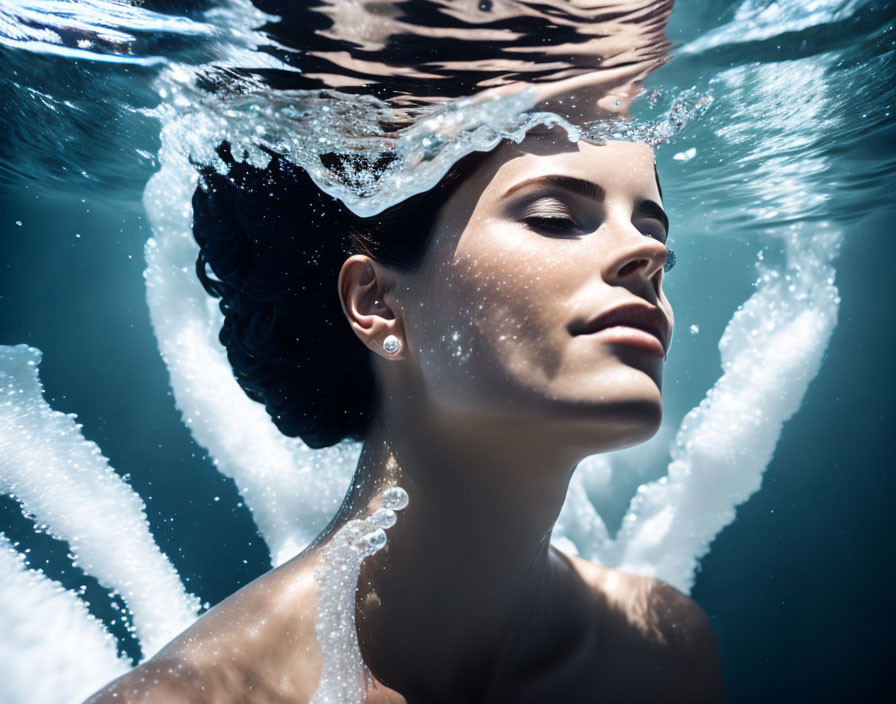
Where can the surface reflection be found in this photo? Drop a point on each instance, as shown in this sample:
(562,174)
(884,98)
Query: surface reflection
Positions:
(420,52)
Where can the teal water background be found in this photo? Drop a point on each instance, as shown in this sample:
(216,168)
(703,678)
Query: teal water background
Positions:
(797,588)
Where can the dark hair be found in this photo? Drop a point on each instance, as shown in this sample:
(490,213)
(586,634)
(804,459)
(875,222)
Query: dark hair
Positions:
(271,245)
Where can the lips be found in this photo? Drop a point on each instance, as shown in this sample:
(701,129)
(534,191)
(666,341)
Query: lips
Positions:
(634,315)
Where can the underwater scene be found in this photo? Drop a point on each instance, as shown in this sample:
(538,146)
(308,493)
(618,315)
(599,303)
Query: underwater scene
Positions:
(140,485)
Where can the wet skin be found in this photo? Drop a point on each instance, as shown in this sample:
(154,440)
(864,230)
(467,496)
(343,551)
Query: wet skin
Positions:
(483,415)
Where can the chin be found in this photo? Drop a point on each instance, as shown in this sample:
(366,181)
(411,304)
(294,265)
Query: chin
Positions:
(599,423)
(639,415)
(637,422)
(624,392)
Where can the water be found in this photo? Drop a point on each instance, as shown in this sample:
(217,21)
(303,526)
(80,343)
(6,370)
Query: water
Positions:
(779,195)
(342,679)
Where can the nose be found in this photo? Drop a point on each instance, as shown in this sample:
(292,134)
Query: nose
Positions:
(634,256)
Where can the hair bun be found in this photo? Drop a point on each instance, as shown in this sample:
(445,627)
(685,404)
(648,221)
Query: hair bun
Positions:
(271,244)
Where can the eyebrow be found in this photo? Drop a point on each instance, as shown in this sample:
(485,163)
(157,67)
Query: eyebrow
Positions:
(643,206)
(579,186)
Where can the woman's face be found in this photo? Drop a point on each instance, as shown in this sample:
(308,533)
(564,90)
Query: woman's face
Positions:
(526,256)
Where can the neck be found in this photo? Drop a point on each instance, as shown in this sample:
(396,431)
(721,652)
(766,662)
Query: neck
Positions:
(469,553)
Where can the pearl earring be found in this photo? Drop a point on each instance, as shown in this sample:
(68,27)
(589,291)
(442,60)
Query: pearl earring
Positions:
(391,344)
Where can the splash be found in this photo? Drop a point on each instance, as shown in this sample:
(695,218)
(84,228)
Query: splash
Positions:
(342,679)
(316,128)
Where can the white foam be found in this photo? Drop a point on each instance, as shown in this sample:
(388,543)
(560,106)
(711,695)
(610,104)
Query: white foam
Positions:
(291,491)
(53,651)
(67,486)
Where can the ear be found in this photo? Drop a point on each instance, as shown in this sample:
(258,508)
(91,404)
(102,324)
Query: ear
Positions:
(361,291)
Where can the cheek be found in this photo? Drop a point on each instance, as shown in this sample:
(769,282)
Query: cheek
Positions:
(497,314)
(520,312)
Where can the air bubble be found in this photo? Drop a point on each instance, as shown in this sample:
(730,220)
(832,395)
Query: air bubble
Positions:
(383,518)
(395,498)
(342,673)
(375,541)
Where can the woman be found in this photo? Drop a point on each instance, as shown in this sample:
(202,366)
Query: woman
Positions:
(481,339)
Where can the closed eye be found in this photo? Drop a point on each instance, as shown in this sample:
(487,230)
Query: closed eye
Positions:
(656,222)
(550,216)
(556,226)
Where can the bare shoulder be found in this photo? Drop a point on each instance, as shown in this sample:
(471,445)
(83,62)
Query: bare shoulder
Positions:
(257,645)
(651,606)
(154,682)
(663,630)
